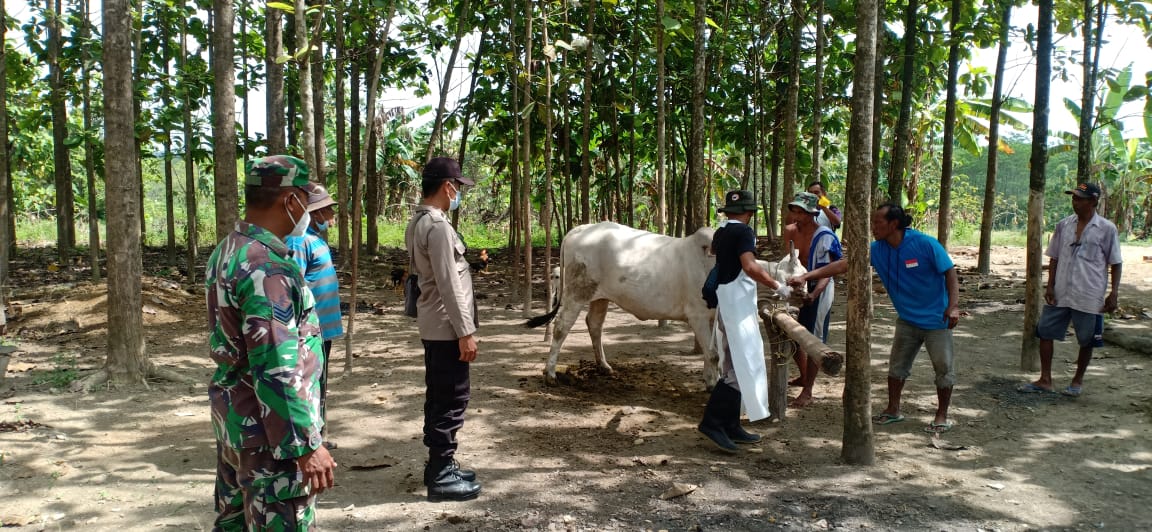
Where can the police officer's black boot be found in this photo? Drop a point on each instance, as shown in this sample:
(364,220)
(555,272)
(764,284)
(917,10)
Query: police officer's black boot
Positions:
(445,482)
(733,428)
(466,474)
(717,414)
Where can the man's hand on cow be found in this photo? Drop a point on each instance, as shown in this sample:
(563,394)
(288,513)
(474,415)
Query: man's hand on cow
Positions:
(797,281)
(317,468)
(468,348)
(783,291)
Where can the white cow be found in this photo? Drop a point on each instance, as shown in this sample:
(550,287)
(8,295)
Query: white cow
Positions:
(651,276)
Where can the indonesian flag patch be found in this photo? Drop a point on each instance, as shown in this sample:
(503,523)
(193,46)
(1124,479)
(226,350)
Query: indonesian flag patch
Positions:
(911,263)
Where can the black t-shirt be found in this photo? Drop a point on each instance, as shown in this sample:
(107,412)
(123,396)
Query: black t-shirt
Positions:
(728,243)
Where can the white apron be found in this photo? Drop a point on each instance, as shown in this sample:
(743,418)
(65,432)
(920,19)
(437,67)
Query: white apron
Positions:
(737,307)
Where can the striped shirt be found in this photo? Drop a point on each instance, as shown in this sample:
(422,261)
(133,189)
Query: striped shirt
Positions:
(1082,265)
(314,257)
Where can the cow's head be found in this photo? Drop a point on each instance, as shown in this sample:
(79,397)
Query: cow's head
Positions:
(700,243)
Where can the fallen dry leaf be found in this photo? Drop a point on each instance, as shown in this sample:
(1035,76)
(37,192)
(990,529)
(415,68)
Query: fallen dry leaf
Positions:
(677,490)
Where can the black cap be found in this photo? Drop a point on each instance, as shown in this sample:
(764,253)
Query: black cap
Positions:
(444,168)
(738,201)
(1085,190)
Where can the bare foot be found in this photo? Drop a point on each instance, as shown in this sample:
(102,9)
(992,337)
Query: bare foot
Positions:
(801,401)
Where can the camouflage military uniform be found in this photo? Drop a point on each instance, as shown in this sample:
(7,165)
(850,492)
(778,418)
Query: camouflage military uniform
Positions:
(265,340)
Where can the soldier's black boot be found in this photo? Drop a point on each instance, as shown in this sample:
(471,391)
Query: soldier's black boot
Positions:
(733,428)
(717,414)
(446,484)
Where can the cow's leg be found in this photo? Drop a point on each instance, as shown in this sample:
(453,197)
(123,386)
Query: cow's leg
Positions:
(564,320)
(597,310)
(702,329)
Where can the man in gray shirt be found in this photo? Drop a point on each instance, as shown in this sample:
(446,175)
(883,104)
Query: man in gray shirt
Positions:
(446,317)
(1083,249)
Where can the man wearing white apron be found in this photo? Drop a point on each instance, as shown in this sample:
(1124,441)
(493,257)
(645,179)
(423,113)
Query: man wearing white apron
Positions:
(744,378)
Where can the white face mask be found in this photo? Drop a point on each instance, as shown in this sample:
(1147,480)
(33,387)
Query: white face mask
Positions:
(300,225)
(454,202)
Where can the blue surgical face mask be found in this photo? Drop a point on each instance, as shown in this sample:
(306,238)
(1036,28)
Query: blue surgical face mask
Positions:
(323,226)
(454,202)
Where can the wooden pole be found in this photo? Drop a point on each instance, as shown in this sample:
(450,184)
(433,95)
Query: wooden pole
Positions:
(785,335)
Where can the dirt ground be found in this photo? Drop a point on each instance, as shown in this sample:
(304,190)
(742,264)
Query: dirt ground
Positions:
(595,454)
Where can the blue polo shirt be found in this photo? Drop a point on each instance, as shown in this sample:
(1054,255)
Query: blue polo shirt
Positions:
(913,274)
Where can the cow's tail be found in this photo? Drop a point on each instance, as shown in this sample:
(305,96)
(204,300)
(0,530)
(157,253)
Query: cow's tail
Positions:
(545,319)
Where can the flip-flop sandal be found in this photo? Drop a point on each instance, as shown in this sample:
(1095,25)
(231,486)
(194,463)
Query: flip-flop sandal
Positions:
(1072,391)
(938,428)
(1031,387)
(887,419)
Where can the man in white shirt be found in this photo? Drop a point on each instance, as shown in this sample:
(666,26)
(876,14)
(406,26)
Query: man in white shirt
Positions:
(1083,249)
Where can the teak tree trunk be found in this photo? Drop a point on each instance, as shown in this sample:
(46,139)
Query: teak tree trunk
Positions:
(1029,347)
(224,120)
(944,221)
(983,261)
(127,362)
(858,444)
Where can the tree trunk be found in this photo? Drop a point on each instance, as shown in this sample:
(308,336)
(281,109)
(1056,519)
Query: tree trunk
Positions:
(661,112)
(341,135)
(319,173)
(89,152)
(586,120)
(1029,348)
(944,221)
(858,447)
(467,119)
(126,362)
(356,179)
(696,198)
(274,92)
(373,86)
(169,189)
(1087,101)
(306,135)
(791,112)
(5,177)
(138,74)
(774,185)
(462,27)
(372,194)
(907,89)
(61,160)
(526,174)
(244,114)
(818,97)
(983,262)
(549,201)
(190,216)
(224,120)
(879,88)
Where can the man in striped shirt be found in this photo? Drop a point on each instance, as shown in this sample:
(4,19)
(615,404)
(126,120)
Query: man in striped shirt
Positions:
(314,257)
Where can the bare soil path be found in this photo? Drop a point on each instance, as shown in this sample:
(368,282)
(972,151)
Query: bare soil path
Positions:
(595,454)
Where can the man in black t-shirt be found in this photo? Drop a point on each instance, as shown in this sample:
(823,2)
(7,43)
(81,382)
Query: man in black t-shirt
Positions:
(743,374)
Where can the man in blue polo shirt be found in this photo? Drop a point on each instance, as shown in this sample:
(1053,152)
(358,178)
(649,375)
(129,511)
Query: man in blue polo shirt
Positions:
(922,284)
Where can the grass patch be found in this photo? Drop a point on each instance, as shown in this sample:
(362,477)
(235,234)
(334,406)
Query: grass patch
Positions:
(61,375)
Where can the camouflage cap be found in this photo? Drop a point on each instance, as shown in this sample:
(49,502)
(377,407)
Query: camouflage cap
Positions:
(807,201)
(276,171)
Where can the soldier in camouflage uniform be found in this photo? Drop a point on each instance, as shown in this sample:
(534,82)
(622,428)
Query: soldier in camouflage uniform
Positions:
(266,343)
